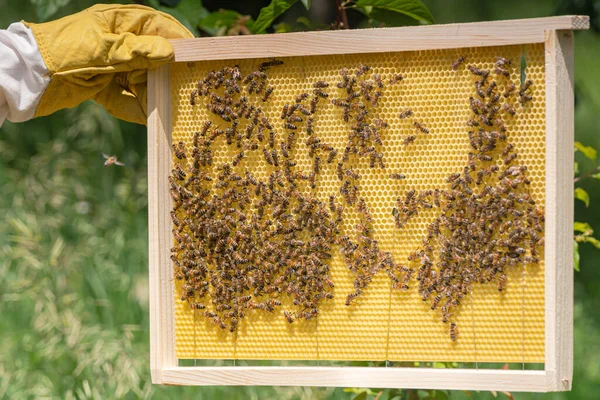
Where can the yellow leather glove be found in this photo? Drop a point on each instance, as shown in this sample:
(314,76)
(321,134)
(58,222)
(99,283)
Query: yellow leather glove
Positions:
(103,53)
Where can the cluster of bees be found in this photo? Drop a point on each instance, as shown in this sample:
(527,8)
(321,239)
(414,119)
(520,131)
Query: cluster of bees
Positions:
(487,223)
(244,243)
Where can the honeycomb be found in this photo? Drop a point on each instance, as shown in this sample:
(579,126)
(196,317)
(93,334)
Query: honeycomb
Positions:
(385,324)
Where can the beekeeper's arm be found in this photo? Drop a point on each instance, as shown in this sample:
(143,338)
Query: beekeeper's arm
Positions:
(102,53)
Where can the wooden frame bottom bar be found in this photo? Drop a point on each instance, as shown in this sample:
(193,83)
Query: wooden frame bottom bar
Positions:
(405,378)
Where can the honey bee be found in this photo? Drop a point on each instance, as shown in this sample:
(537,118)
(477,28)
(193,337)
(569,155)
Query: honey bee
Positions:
(179,150)
(501,71)
(525,98)
(352,296)
(397,176)
(340,171)
(313,104)
(458,62)
(420,127)
(272,139)
(320,84)
(395,79)
(284,150)
(236,160)
(453,177)
(275,158)
(287,125)
(267,93)
(362,69)
(320,93)
(409,139)
(351,174)
(525,87)
(111,160)
(309,126)
(267,156)
(316,165)
(288,316)
(267,64)
(509,89)
(453,331)
(193,97)
(479,72)
(301,97)
(509,109)
(284,111)
(294,118)
(406,113)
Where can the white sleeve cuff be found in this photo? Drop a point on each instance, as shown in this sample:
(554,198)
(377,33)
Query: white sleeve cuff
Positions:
(23,74)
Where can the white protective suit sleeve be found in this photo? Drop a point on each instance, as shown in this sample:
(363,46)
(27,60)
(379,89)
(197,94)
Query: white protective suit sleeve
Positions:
(23,74)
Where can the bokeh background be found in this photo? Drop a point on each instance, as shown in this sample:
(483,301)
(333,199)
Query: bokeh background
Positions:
(73,234)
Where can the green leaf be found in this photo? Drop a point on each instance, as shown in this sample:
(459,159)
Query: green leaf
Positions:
(593,241)
(269,13)
(576,256)
(577,170)
(583,227)
(44,9)
(587,151)
(582,195)
(596,176)
(412,8)
(218,22)
(360,396)
(523,73)
(378,16)
(193,10)
(304,21)
(306,4)
(283,27)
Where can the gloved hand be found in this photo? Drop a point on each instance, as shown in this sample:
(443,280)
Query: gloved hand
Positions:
(103,53)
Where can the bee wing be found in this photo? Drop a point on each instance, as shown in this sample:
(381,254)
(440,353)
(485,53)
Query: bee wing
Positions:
(119,163)
(106,156)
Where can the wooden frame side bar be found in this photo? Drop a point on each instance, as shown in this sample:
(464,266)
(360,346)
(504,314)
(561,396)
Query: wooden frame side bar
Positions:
(559,209)
(406,378)
(475,34)
(162,337)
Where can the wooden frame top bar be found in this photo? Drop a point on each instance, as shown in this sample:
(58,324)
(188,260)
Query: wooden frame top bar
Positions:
(411,38)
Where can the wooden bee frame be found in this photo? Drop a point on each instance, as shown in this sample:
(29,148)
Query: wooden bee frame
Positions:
(557,36)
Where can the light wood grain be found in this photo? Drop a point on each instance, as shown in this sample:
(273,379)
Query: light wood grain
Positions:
(162,338)
(475,34)
(407,378)
(559,208)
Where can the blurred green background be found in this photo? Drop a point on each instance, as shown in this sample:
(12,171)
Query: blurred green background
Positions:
(73,237)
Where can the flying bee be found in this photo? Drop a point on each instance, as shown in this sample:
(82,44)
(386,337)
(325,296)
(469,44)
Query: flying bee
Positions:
(453,331)
(267,93)
(420,127)
(320,84)
(409,139)
(111,160)
(395,79)
(397,176)
(406,113)
(458,62)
